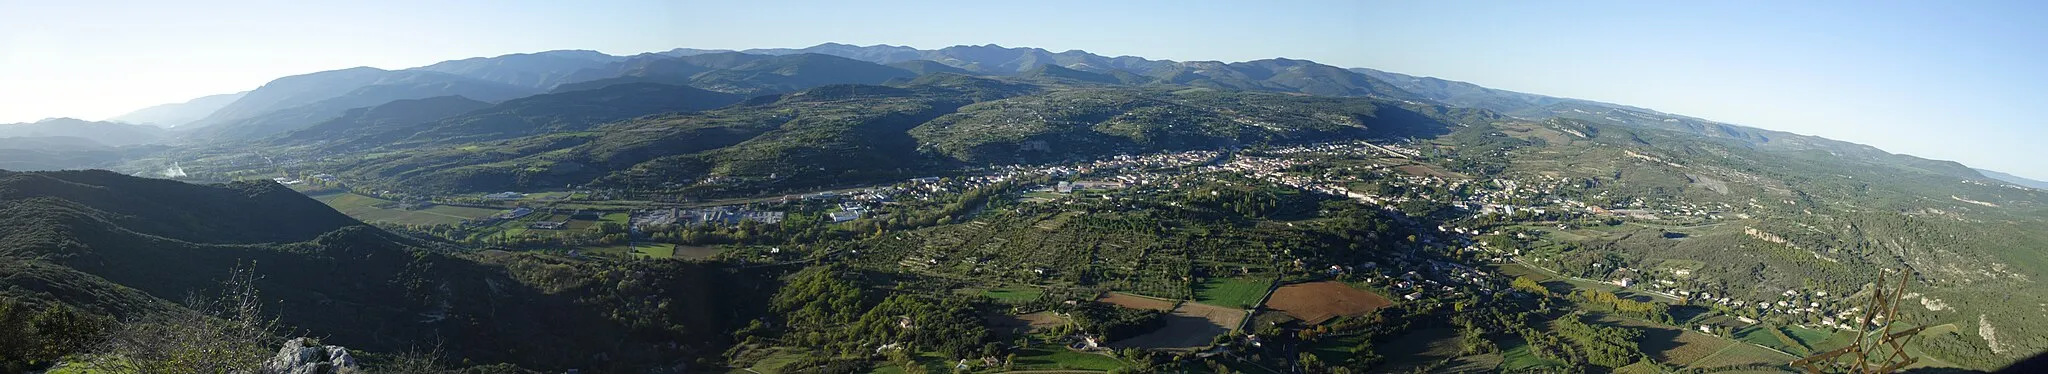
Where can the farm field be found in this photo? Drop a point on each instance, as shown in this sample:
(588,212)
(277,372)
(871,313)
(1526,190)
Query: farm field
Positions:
(1670,345)
(1515,356)
(1014,294)
(1692,349)
(1422,347)
(649,250)
(1240,292)
(1767,336)
(1565,285)
(691,252)
(775,360)
(620,217)
(654,250)
(1486,363)
(1043,357)
(1189,326)
(1006,324)
(1136,302)
(1517,270)
(1317,302)
(1638,368)
(366,208)
(1741,355)
(1810,338)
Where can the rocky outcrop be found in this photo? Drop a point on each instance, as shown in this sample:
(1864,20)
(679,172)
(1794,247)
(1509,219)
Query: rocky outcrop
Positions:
(306,356)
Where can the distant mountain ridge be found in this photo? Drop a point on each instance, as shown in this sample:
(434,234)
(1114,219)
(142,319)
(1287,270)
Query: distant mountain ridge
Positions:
(2014,179)
(357,87)
(104,133)
(173,115)
(295,102)
(1279,74)
(541,71)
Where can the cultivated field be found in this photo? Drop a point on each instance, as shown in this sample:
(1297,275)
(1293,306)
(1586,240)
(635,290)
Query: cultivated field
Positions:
(651,250)
(1515,356)
(1136,302)
(367,209)
(1419,348)
(1692,349)
(1010,325)
(1014,294)
(1768,336)
(1190,326)
(1741,355)
(1243,292)
(1317,302)
(1671,345)
(1052,357)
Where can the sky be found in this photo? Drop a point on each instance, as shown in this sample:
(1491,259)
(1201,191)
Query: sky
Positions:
(1937,79)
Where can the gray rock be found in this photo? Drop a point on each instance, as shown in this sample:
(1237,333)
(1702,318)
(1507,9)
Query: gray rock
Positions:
(303,356)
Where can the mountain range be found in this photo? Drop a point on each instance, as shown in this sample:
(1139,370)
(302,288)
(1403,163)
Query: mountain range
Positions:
(520,95)
(290,103)
(295,102)
(2022,181)
(691,124)
(103,133)
(178,114)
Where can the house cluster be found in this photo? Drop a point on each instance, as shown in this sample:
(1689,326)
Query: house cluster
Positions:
(725,215)
(1121,164)
(853,209)
(1810,309)
(508,215)
(563,222)
(1432,279)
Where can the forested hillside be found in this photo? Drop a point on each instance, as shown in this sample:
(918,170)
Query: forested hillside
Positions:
(113,248)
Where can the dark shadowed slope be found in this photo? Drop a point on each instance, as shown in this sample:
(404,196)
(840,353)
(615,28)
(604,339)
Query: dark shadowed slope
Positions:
(382,118)
(123,247)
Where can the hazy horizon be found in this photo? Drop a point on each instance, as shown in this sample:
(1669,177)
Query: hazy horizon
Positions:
(1949,83)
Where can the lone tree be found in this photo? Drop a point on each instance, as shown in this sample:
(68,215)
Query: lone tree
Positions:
(228,333)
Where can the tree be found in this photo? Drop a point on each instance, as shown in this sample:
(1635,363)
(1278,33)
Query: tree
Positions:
(31,341)
(415,362)
(226,334)
(1529,285)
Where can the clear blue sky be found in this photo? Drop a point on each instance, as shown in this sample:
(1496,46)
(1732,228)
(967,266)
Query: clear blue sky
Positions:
(1947,80)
